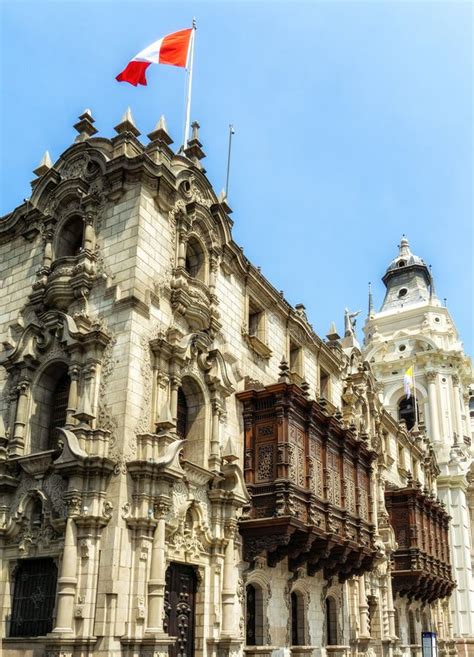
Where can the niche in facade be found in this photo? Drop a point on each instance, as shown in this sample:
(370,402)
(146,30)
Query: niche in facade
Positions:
(50,401)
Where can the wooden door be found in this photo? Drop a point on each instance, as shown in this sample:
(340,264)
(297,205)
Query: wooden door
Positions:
(180,594)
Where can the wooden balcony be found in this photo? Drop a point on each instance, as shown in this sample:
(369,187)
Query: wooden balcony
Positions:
(309,480)
(422,569)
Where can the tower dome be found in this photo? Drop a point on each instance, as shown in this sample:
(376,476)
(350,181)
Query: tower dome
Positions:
(407,279)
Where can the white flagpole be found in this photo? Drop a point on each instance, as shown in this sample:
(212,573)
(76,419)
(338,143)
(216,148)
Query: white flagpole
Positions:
(190,84)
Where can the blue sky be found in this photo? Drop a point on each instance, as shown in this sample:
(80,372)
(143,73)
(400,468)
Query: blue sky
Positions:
(353,120)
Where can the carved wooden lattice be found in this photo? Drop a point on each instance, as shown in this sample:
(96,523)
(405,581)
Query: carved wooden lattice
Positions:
(350,486)
(265,462)
(316,451)
(334,479)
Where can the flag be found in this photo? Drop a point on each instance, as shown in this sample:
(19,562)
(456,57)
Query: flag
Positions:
(408,381)
(172,49)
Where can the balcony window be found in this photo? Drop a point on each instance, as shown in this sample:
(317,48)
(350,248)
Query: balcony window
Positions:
(191,421)
(34,594)
(50,402)
(71,238)
(195,263)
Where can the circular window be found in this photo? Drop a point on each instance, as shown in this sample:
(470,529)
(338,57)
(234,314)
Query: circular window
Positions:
(403,292)
(402,347)
(443,380)
(402,263)
(437,319)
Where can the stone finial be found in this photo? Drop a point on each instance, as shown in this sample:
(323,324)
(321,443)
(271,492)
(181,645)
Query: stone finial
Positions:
(300,310)
(371,301)
(305,388)
(44,166)
(230,452)
(160,132)
(333,334)
(127,124)
(284,371)
(222,199)
(165,421)
(194,148)
(85,126)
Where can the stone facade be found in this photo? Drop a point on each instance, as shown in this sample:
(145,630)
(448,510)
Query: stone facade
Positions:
(186,468)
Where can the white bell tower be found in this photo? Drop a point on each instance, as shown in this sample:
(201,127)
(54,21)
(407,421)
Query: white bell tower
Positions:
(413,328)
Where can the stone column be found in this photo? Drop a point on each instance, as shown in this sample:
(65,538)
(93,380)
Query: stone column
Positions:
(363,609)
(175,382)
(457,408)
(157,581)
(67,581)
(72,397)
(229,588)
(213,265)
(433,402)
(17,442)
(48,249)
(182,248)
(89,232)
(215,455)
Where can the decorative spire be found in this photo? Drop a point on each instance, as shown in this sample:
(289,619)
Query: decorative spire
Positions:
(332,333)
(404,247)
(127,124)
(85,126)
(284,371)
(194,148)
(371,301)
(44,166)
(160,132)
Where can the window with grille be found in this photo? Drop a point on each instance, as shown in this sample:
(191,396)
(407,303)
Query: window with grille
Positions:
(34,594)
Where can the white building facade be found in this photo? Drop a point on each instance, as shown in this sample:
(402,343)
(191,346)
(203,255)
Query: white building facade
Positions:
(413,329)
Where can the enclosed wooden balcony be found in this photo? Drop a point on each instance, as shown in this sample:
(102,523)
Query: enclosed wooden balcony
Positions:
(422,567)
(310,484)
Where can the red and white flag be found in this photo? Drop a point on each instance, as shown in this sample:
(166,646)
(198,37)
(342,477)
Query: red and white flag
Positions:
(172,49)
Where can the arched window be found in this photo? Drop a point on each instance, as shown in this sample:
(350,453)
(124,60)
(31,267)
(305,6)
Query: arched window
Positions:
(298,624)
(406,412)
(191,421)
(71,237)
(195,264)
(182,415)
(411,628)
(331,622)
(50,402)
(254,625)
